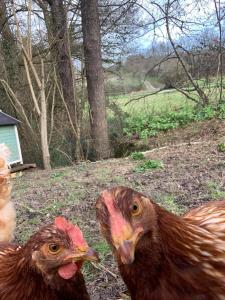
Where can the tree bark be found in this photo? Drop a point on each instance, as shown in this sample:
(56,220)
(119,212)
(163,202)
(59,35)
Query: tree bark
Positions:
(43,122)
(64,66)
(95,77)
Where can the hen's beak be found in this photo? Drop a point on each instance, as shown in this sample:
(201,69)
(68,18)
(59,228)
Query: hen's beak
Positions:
(83,255)
(126,246)
(126,252)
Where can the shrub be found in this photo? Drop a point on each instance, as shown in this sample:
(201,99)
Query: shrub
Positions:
(137,155)
(221,110)
(148,165)
(206,113)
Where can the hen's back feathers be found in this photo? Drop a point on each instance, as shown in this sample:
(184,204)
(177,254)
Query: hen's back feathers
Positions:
(210,216)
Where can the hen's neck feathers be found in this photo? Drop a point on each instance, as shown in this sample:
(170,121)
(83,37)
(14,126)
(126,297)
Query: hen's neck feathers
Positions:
(183,238)
(176,259)
(17,277)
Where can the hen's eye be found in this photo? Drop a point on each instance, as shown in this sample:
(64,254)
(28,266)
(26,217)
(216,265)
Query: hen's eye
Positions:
(135,209)
(54,248)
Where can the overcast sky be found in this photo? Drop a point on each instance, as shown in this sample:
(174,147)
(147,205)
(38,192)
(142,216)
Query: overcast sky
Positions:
(195,11)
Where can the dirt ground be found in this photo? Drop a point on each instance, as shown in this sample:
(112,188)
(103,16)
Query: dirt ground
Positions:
(192,174)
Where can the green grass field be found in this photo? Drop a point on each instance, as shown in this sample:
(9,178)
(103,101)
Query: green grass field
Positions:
(155,104)
(165,101)
(169,109)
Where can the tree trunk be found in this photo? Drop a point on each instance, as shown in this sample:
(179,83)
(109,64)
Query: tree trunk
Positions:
(64,66)
(95,77)
(43,123)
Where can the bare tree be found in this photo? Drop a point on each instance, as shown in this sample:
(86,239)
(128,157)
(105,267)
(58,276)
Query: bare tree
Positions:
(95,77)
(58,29)
(220,18)
(25,49)
(41,109)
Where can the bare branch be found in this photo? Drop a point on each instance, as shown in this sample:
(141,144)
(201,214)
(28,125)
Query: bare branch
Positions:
(144,96)
(200,92)
(12,95)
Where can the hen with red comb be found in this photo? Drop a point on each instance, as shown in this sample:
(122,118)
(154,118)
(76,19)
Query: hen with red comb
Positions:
(48,266)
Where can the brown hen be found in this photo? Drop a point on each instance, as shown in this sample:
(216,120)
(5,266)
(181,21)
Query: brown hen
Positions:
(162,256)
(47,267)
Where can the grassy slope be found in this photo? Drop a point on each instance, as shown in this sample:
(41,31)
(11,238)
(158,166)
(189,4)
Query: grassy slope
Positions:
(167,100)
(158,103)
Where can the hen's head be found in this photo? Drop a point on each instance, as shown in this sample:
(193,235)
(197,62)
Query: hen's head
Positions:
(59,248)
(125,217)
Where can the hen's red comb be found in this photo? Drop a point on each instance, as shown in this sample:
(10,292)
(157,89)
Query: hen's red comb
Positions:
(73,231)
(108,200)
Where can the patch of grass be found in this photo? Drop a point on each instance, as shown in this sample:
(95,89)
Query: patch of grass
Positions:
(119,180)
(25,234)
(148,165)
(74,197)
(215,191)
(169,203)
(88,271)
(221,147)
(103,174)
(57,175)
(137,155)
(20,185)
(62,173)
(102,248)
(54,207)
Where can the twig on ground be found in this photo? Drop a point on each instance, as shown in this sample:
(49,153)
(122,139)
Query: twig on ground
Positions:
(103,268)
(176,145)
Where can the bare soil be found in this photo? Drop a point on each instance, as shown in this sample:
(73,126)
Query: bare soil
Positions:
(192,174)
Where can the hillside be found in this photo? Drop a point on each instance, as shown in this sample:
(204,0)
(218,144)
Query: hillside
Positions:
(191,174)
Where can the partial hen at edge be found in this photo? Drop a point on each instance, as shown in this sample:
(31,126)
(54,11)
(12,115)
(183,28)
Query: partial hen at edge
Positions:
(7,211)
